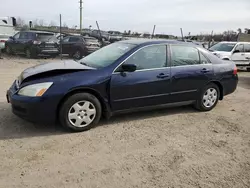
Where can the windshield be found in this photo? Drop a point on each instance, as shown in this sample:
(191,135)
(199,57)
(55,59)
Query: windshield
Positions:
(106,55)
(225,47)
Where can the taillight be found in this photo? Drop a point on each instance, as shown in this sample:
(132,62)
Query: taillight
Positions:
(2,40)
(36,42)
(235,70)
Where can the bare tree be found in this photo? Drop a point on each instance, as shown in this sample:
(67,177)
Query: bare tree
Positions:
(20,22)
(65,25)
(35,23)
(247,30)
(52,23)
(41,22)
(239,30)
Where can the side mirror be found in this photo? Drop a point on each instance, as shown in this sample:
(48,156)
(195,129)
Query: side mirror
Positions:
(236,51)
(11,38)
(128,67)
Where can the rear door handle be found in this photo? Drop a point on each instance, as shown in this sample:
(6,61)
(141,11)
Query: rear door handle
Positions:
(205,70)
(162,75)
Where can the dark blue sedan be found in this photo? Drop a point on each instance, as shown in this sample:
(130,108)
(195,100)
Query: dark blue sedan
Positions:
(124,76)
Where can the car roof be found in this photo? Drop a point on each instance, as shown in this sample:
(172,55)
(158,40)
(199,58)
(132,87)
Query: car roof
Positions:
(154,41)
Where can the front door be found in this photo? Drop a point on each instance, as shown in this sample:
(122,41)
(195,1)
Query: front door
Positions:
(149,85)
(190,72)
(238,55)
(65,45)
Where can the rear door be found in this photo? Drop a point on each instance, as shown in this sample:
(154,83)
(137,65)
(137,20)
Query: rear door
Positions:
(238,55)
(74,43)
(22,42)
(65,45)
(190,72)
(149,85)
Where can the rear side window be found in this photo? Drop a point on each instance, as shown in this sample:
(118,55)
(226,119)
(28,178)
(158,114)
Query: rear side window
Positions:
(184,55)
(247,48)
(75,39)
(44,36)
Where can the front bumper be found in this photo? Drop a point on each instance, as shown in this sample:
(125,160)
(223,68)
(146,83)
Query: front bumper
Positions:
(34,109)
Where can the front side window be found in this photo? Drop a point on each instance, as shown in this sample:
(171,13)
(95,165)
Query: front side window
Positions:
(66,39)
(74,39)
(247,48)
(149,57)
(106,55)
(239,48)
(184,55)
(16,36)
(23,35)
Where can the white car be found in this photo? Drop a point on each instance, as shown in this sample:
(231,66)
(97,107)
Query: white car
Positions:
(239,52)
(3,39)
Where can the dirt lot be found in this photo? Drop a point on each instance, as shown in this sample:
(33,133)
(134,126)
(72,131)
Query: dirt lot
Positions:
(176,147)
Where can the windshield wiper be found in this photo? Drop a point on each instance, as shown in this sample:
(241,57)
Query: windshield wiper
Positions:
(83,63)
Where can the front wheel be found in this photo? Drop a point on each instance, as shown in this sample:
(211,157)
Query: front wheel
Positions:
(208,98)
(80,112)
(78,54)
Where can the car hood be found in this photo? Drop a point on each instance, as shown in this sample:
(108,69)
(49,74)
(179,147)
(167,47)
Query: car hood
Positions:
(221,53)
(63,66)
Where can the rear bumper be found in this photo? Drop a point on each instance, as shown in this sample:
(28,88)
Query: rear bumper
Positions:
(46,51)
(230,85)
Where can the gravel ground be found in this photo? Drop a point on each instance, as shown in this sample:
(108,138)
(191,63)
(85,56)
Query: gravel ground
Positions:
(176,147)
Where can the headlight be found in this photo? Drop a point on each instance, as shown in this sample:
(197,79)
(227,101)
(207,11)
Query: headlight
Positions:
(35,90)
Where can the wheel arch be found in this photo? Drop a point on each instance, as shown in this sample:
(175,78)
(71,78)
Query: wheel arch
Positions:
(105,108)
(220,88)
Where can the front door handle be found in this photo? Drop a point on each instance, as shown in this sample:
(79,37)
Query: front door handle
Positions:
(162,75)
(204,70)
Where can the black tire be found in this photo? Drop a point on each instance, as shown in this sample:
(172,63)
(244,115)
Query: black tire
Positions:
(67,106)
(30,53)
(200,102)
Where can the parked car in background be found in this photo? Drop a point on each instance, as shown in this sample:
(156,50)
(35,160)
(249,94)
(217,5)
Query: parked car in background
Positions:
(115,36)
(239,52)
(104,35)
(78,46)
(124,76)
(3,39)
(32,44)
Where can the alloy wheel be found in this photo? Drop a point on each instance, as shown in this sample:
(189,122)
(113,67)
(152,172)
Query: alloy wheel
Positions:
(77,54)
(82,114)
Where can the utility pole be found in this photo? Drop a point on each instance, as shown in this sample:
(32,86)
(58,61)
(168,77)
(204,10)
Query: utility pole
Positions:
(153,33)
(182,35)
(80,16)
(61,36)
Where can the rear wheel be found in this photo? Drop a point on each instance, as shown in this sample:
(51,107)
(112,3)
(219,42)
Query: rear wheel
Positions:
(77,54)
(208,98)
(80,112)
(30,54)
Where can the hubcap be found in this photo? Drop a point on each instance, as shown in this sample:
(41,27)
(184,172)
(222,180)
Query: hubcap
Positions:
(82,113)
(210,97)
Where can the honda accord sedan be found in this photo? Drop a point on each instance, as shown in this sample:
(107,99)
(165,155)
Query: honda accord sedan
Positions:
(124,76)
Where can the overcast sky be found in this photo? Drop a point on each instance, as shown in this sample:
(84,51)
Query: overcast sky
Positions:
(193,16)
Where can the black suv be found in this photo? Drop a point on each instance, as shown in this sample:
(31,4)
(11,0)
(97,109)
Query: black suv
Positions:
(33,43)
(78,46)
